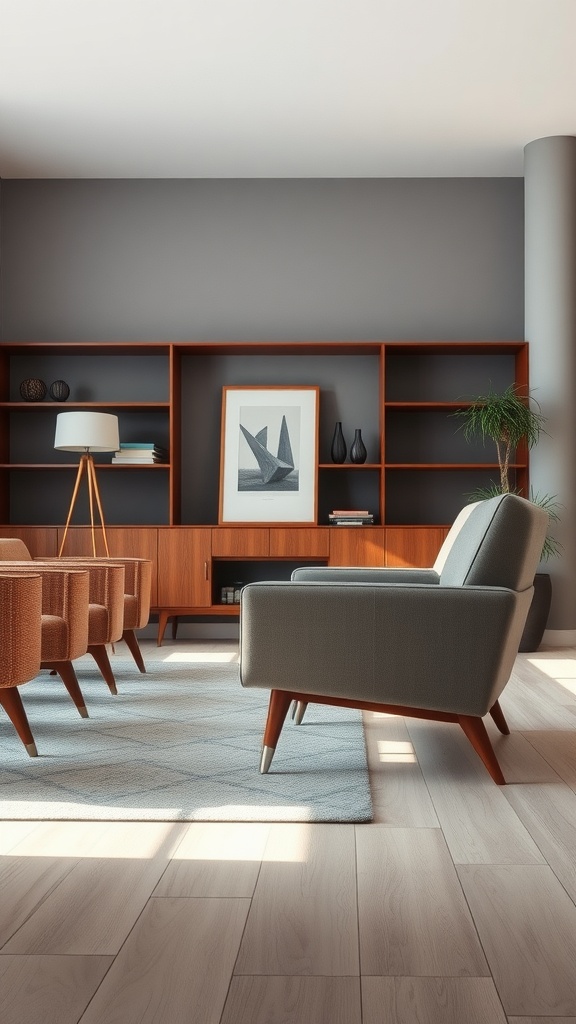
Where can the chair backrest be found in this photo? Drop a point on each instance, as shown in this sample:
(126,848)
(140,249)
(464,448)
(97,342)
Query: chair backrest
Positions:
(13,549)
(498,545)
(451,537)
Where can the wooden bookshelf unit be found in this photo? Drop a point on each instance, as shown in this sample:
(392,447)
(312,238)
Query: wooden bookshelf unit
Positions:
(417,475)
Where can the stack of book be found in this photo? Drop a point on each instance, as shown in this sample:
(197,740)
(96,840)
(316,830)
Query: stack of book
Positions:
(351,517)
(139,453)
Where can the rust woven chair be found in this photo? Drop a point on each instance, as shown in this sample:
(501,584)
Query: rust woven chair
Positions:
(137,589)
(64,620)
(20,638)
(106,599)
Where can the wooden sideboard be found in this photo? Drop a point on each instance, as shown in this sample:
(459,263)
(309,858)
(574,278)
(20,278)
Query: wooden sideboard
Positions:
(192,563)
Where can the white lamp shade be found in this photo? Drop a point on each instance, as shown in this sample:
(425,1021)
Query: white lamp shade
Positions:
(86,431)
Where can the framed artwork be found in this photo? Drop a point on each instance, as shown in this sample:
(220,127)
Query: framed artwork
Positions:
(269,455)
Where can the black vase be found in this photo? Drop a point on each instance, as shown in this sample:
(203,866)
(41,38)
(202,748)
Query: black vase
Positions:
(358,450)
(338,450)
(33,389)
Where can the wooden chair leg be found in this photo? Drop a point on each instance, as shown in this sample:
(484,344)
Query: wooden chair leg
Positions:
(11,701)
(277,711)
(65,670)
(475,730)
(100,655)
(131,641)
(498,716)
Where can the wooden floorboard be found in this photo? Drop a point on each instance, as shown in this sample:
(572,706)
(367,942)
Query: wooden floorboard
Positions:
(456,906)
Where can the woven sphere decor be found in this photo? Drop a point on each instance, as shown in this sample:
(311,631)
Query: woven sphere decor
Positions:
(59,391)
(33,389)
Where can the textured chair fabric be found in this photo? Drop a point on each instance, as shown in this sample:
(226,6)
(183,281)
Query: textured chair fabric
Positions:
(421,642)
(137,590)
(106,598)
(64,622)
(20,645)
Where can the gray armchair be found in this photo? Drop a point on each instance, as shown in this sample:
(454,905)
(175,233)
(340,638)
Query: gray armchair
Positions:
(435,643)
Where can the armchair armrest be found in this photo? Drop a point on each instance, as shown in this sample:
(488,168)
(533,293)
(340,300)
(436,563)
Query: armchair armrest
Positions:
(426,646)
(363,574)
(106,588)
(65,597)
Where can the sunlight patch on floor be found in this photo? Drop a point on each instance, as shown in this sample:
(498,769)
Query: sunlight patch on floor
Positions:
(200,658)
(562,670)
(397,751)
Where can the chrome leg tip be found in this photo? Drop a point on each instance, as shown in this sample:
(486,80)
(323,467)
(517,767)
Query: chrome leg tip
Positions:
(266,761)
(31,749)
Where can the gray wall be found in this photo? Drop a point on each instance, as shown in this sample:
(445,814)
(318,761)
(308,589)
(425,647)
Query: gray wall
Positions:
(253,259)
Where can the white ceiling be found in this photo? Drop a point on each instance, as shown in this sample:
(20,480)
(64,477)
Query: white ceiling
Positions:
(281,88)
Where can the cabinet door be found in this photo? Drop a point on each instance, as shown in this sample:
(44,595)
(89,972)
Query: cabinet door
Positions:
(301,543)
(414,545)
(357,545)
(41,541)
(242,542)
(184,567)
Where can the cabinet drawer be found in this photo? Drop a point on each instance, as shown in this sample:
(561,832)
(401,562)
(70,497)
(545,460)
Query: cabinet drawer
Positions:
(301,543)
(240,543)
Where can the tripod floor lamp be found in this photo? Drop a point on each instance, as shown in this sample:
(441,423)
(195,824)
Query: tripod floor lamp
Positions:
(86,432)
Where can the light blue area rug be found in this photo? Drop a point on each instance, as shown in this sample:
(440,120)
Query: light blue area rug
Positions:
(181,743)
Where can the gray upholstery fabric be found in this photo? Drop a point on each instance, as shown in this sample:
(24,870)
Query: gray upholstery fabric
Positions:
(444,646)
(361,574)
(499,545)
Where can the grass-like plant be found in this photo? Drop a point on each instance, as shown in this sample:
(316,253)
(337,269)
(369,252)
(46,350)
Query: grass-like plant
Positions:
(507,418)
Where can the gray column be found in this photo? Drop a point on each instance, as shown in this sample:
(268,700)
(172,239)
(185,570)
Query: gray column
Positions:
(550,328)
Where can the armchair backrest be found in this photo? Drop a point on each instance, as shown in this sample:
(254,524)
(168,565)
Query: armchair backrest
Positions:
(499,545)
(13,549)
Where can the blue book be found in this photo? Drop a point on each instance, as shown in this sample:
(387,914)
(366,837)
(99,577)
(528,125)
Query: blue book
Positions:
(138,444)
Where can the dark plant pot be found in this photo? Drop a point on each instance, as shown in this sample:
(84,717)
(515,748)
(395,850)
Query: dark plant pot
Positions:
(538,613)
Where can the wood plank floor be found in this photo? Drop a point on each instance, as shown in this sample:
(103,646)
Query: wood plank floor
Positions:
(456,906)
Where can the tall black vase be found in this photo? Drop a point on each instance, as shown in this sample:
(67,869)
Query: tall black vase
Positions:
(338,450)
(358,451)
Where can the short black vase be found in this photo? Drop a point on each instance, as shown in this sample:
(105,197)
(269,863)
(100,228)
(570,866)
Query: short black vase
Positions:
(33,389)
(59,390)
(338,450)
(358,451)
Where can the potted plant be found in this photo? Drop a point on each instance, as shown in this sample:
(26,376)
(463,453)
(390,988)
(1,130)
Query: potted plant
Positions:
(507,418)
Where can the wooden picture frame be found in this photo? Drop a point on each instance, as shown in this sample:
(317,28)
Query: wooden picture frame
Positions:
(269,455)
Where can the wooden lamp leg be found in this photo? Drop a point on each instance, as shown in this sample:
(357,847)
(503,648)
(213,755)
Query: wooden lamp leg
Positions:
(81,467)
(92,475)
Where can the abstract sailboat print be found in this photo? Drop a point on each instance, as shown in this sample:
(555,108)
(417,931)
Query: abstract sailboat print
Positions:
(273,468)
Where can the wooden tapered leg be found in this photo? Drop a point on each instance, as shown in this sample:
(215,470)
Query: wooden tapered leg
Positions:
(100,655)
(81,468)
(277,711)
(95,490)
(475,730)
(162,622)
(11,701)
(174,626)
(65,670)
(498,716)
(131,641)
